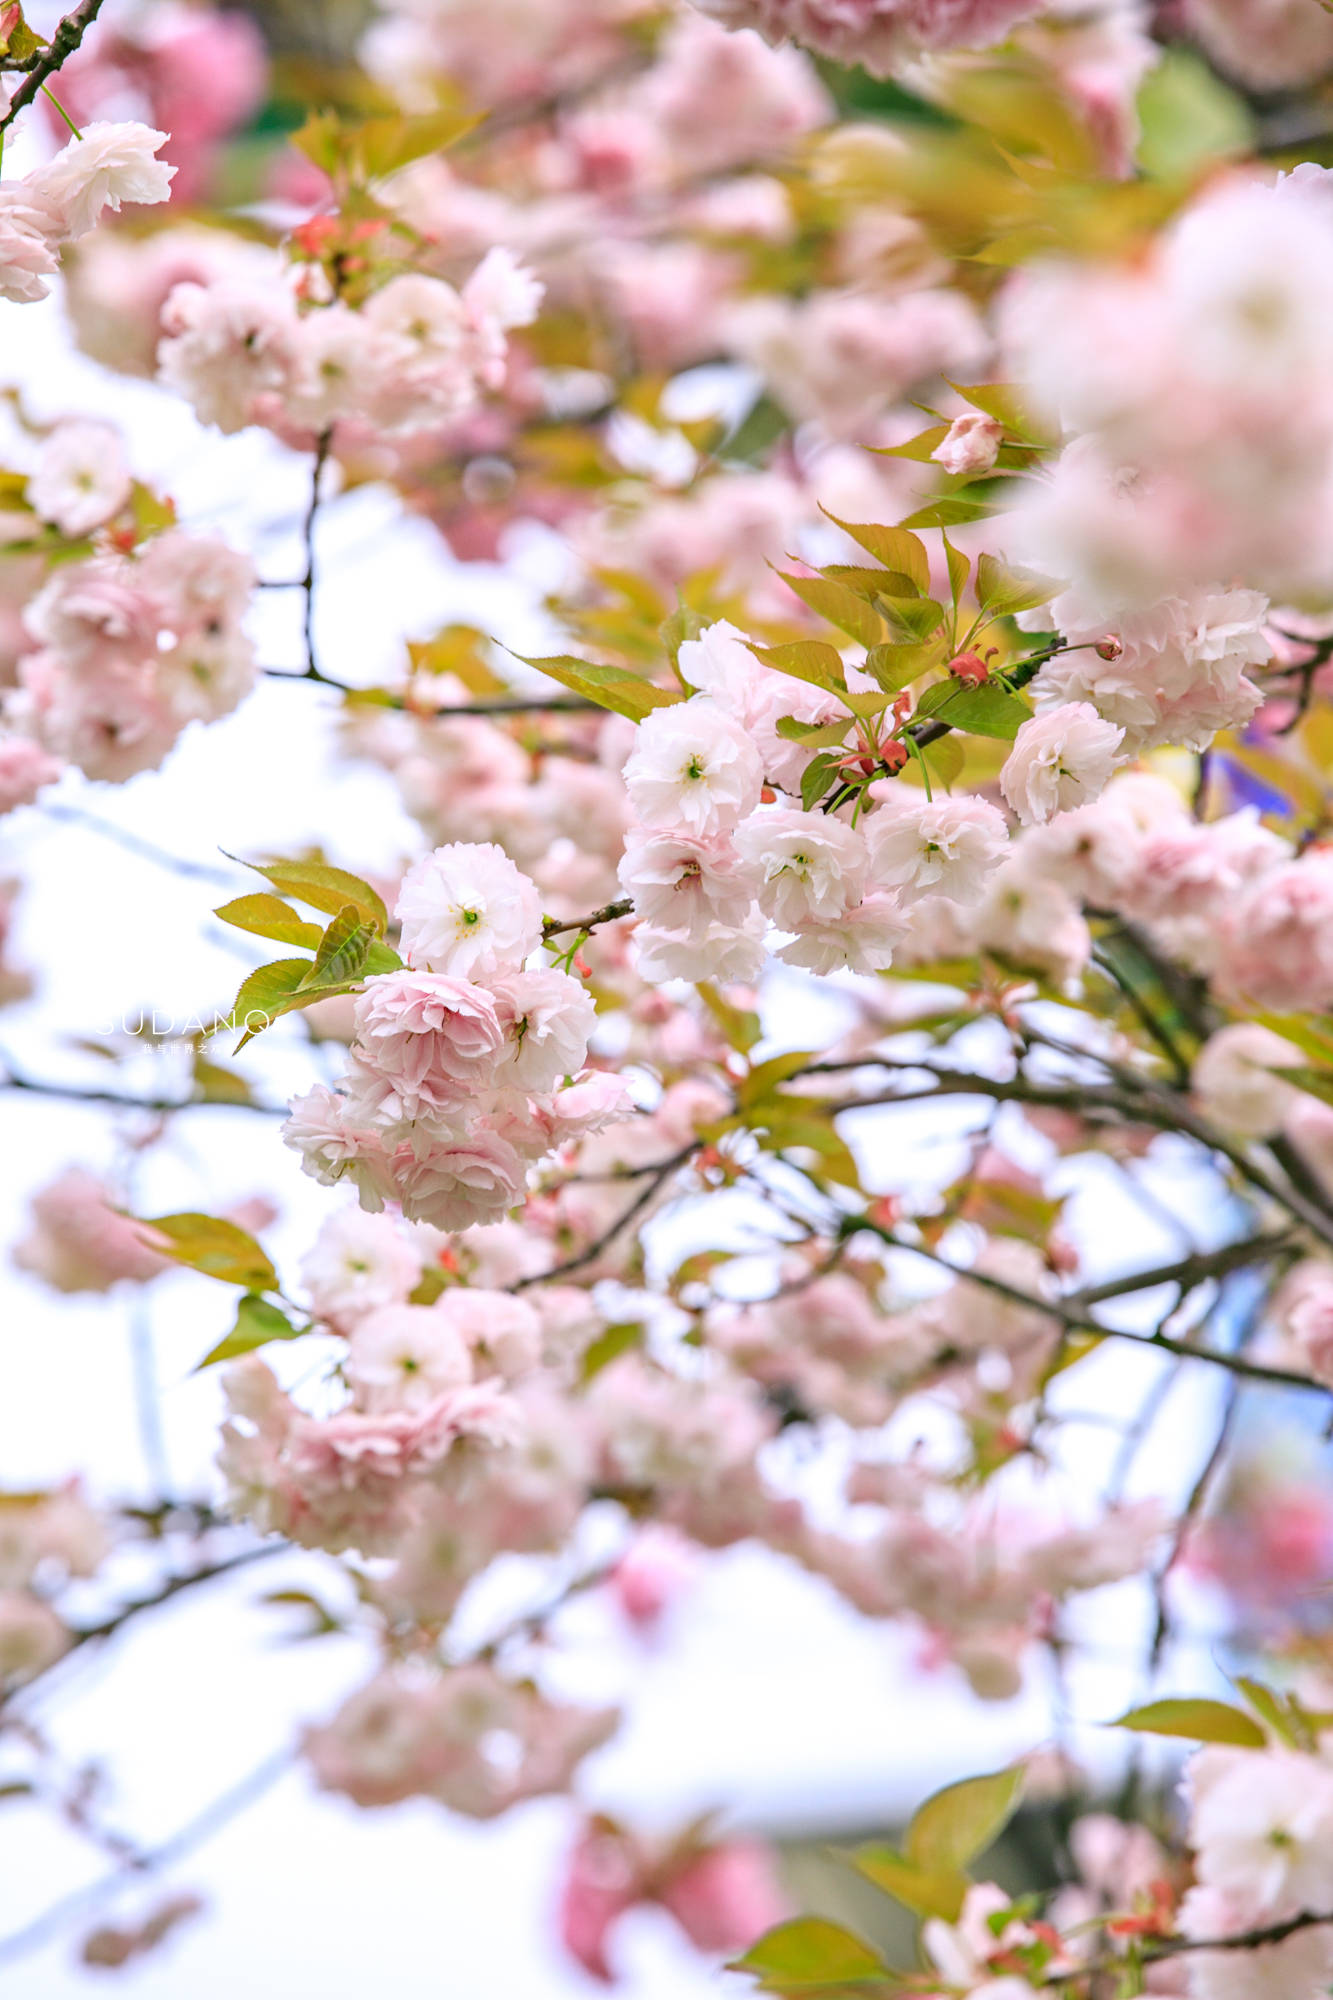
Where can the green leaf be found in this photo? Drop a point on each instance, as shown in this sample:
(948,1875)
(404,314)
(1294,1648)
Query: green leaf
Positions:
(616,688)
(989,710)
(1201,1720)
(257,1322)
(217,1248)
(1003,591)
(959,568)
(684,623)
(896,548)
(764,1078)
(842,607)
(785,1122)
(951,510)
(812,660)
(740,1025)
(324,888)
(1189,118)
(343,950)
(383,145)
(998,399)
(913,617)
(269,991)
(1284,1722)
(896,666)
(270,917)
(216,1084)
(919,448)
(609,1345)
(958,1823)
(945,758)
(816,778)
(819,735)
(811,1955)
(930,1893)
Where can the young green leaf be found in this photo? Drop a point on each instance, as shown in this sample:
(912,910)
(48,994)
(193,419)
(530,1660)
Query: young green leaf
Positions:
(324,888)
(1203,1721)
(958,1823)
(896,547)
(812,660)
(927,1892)
(213,1246)
(811,1956)
(988,710)
(1003,591)
(842,607)
(343,950)
(270,917)
(816,778)
(616,688)
(257,1322)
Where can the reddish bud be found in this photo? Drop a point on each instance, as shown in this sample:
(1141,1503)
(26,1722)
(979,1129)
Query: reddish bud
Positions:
(1109,648)
(887,1211)
(970,669)
(893,756)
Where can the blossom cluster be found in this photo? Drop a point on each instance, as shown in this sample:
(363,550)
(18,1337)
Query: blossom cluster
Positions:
(462,1063)
(102,168)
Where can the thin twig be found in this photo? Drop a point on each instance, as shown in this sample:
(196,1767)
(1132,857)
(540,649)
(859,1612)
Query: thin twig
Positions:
(66,39)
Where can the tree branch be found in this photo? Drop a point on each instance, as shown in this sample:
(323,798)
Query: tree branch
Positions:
(67,37)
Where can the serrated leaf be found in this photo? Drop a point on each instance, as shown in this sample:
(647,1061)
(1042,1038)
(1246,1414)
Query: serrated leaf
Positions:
(210,1244)
(959,1822)
(1000,400)
(989,710)
(929,1893)
(895,547)
(269,992)
(959,569)
(1200,1720)
(809,1955)
(913,617)
(1004,592)
(812,660)
(816,778)
(818,735)
(257,1322)
(270,917)
(895,667)
(945,758)
(839,605)
(324,888)
(343,950)
(616,688)
(951,510)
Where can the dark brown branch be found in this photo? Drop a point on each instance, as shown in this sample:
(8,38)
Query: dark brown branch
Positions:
(1063,1314)
(66,39)
(659,1175)
(609,913)
(77,1093)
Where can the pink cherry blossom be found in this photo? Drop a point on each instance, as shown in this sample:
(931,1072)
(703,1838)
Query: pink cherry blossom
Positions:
(1060,759)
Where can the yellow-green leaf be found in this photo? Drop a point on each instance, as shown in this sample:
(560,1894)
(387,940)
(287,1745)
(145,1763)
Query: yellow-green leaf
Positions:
(897,548)
(928,1892)
(324,888)
(809,1955)
(958,1823)
(257,1322)
(270,917)
(1201,1720)
(217,1248)
(616,688)
(343,950)
(812,660)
